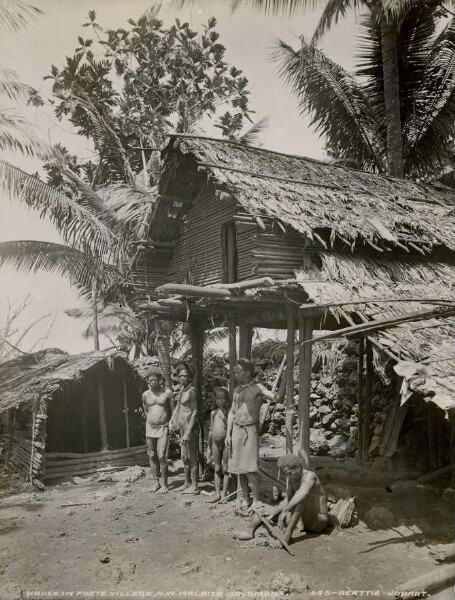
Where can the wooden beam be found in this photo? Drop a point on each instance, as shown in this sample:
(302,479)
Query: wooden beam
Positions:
(245,339)
(126,411)
(102,413)
(193,290)
(368,398)
(154,243)
(232,355)
(360,397)
(305,358)
(382,324)
(246,284)
(290,347)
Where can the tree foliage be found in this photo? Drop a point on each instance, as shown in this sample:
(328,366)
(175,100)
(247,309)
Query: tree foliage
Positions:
(147,81)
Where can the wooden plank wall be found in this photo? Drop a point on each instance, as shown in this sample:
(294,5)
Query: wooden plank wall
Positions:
(16,441)
(267,252)
(150,272)
(198,257)
(66,464)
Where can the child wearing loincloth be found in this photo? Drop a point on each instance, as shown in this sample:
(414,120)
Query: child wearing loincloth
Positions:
(216,442)
(305,499)
(184,420)
(244,425)
(156,402)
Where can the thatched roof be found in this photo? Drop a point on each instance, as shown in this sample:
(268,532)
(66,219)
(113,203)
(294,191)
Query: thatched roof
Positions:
(368,289)
(310,195)
(26,379)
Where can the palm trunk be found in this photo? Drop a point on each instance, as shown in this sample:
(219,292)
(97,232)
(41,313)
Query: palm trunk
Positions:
(389,43)
(163,349)
(96,334)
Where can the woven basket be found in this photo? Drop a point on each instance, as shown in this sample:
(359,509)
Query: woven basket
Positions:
(341,513)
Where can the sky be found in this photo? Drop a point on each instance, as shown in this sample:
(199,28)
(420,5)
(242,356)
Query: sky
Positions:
(248,36)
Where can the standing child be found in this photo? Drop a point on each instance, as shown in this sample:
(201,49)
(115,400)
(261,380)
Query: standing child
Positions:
(216,442)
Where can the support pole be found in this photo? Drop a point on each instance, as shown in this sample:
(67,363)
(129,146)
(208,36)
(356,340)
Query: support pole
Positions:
(432,437)
(360,398)
(126,411)
(85,423)
(245,340)
(232,355)
(290,347)
(368,398)
(102,413)
(197,351)
(305,359)
(163,349)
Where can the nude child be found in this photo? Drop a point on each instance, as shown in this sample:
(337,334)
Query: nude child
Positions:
(156,402)
(217,448)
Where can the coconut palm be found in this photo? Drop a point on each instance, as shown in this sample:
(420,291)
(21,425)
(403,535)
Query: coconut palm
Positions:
(387,17)
(349,110)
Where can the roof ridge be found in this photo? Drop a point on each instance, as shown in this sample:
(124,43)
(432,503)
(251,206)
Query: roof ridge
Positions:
(299,156)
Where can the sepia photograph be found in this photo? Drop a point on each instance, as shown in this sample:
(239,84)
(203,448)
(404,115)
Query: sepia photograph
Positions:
(227,299)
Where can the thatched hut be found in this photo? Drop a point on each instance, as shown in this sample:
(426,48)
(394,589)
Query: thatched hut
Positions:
(63,415)
(247,237)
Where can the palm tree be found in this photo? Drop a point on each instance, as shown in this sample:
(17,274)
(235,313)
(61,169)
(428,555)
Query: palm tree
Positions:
(15,14)
(387,16)
(350,109)
(95,225)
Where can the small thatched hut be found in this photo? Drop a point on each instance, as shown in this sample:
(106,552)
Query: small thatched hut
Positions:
(64,415)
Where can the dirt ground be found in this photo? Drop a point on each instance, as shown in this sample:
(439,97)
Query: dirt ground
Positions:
(86,536)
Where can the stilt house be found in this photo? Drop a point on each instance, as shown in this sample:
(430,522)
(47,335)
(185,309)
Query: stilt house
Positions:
(248,237)
(63,415)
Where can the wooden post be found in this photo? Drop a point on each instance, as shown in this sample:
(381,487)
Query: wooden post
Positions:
(126,410)
(102,413)
(432,437)
(305,360)
(368,398)
(360,398)
(290,347)
(162,344)
(96,335)
(232,355)
(84,423)
(245,340)
(197,351)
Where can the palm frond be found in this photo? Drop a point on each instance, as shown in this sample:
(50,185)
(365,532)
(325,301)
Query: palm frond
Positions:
(18,135)
(127,209)
(333,11)
(285,7)
(433,123)
(271,350)
(15,14)
(11,88)
(80,267)
(250,137)
(78,225)
(339,108)
(118,321)
(105,137)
